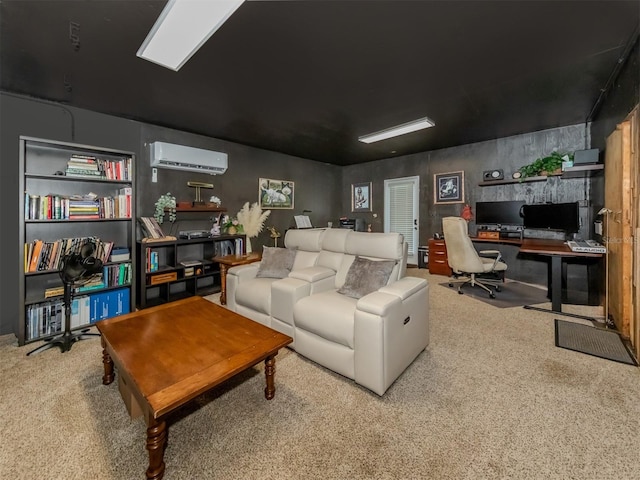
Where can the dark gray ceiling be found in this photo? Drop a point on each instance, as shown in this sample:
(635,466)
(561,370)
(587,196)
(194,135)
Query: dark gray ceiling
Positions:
(307,78)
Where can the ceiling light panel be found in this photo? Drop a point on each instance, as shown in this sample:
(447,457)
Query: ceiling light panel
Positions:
(182,28)
(397,131)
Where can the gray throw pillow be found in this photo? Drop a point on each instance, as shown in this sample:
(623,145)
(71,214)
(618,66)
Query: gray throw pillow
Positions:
(366,276)
(276,262)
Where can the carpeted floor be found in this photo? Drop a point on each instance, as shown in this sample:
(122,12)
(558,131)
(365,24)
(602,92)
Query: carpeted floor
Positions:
(490,398)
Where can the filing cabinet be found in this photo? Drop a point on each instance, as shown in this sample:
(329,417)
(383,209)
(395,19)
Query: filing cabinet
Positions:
(438,263)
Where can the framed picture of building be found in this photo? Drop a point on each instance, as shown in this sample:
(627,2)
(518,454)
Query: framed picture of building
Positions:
(274,194)
(361,197)
(448,187)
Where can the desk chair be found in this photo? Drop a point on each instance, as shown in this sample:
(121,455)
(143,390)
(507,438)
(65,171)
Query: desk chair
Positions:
(465,260)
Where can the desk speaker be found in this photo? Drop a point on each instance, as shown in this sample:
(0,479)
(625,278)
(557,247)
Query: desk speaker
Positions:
(582,157)
(489,175)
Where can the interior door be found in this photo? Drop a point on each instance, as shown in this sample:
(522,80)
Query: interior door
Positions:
(401,211)
(617,227)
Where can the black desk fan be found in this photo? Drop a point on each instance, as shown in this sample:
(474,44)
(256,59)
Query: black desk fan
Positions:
(75,267)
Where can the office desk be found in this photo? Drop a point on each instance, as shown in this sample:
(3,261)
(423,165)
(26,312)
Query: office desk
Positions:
(557,250)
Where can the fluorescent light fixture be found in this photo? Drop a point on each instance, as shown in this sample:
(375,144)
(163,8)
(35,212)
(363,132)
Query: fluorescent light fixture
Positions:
(396,131)
(182,28)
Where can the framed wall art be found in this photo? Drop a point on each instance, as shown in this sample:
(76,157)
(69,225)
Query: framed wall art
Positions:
(274,194)
(448,187)
(361,197)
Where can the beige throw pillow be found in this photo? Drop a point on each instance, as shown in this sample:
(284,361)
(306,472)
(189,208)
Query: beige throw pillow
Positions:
(366,276)
(276,262)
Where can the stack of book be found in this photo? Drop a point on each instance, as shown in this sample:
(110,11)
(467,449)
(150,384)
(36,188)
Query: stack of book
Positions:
(89,166)
(119,254)
(84,209)
(83,166)
(94,283)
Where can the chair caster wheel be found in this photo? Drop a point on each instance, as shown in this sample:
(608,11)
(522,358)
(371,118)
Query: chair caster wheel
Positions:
(498,289)
(451,284)
(492,295)
(460,293)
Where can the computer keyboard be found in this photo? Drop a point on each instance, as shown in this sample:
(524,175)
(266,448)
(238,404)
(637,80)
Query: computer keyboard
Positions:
(586,246)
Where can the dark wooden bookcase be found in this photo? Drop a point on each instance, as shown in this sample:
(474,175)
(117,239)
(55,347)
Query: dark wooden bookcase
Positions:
(185,267)
(43,167)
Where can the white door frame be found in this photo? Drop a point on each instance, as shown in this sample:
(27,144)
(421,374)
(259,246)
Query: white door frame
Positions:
(414,181)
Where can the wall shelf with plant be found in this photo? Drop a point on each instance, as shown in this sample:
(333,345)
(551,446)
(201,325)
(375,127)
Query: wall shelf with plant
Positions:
(549,165)
(580,171)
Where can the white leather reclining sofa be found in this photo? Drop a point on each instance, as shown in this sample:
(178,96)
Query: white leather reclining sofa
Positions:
(371,339)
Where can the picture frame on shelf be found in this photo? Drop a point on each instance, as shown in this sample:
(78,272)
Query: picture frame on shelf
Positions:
(276,194)
(448,188)
(361,197)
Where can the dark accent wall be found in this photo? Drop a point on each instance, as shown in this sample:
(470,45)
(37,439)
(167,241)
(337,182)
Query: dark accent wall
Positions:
(317,185)
(507,154)
(619,100)
(622,96)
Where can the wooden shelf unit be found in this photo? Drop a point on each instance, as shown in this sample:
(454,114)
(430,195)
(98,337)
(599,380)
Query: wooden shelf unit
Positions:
(199,208)
(43,164)
(579,171)
(170,281)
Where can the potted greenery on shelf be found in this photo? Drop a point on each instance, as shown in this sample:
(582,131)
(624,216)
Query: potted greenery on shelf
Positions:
(166,203)
(548,165)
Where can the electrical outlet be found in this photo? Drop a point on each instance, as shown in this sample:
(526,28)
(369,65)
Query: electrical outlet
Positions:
(154,175)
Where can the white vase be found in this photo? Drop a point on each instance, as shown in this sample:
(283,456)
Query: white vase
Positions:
(248,246)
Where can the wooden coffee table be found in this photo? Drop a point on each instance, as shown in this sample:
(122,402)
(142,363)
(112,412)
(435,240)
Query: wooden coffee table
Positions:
(170,354)
(228,261)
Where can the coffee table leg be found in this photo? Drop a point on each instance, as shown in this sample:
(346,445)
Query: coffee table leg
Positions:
(269,371)
(223,284)
(108,376)
(156,442)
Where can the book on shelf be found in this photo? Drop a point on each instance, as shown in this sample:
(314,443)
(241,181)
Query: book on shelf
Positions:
(82,158)
(46,256)
(239,246)
(152,261)
(35,255)
(151,227)
(76,165)
(93,285)
(76,172)
(109,304)
(103,251)
(53,292)
(44,319)
(120,254)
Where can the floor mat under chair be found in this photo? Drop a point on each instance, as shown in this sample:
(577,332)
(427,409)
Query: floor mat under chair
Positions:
(592,341)
(511,294)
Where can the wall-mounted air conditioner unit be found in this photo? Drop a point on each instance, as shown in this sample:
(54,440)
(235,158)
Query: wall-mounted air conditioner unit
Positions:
(190,159)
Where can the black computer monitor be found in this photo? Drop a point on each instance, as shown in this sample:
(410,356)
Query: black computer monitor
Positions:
(499,213)
(552,216)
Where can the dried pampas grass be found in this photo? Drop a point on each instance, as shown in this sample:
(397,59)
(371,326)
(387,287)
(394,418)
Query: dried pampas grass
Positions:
(252,219)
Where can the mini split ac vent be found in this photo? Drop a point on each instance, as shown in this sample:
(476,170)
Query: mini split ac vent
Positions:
(190,159)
